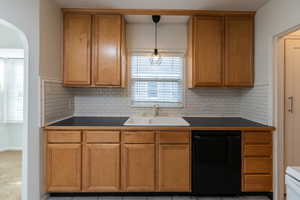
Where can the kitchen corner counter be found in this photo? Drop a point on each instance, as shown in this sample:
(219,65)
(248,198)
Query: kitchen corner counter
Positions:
(92,121)
(196,123)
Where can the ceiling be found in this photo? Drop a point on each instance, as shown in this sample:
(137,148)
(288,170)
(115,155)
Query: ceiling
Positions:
(246,5)
(241,5)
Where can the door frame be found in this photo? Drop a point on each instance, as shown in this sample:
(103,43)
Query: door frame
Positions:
(278,90)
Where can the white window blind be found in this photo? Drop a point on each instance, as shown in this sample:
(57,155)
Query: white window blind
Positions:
(11,86)
(157,84)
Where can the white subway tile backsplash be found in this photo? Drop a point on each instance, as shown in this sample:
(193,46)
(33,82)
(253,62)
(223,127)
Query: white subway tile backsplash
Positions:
(117,102)
(61,102)
(254,103)
(58,101)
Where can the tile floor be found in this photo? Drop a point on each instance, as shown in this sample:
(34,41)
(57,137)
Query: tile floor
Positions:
(162,198)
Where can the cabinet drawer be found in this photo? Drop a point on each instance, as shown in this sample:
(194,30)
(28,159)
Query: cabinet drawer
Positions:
(64,136)
(102,136)
(257,183)
(258,138)
(258,150)
(174,137)
(138,137)
(257,165)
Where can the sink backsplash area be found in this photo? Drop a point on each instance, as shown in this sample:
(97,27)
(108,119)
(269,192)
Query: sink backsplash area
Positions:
(214,102)
(117,102)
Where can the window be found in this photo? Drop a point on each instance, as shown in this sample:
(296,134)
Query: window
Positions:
(157,84)
(11,85)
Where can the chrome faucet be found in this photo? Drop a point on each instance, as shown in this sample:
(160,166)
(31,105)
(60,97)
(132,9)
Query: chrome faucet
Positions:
(156,110)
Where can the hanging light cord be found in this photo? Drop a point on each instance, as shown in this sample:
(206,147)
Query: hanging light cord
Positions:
(155,35)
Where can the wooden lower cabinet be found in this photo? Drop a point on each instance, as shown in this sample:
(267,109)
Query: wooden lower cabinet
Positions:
(141,161)
(258,183)
(174,168)
(101,168)
(64,167)
(257,161)
(138,167)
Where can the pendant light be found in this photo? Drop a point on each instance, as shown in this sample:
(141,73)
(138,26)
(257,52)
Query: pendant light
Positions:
(155,58)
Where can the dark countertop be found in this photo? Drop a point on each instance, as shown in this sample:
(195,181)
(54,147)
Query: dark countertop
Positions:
(92,121)
(222,122)
(194,122)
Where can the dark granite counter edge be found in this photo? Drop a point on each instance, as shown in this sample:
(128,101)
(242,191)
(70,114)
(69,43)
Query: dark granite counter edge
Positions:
(194,122)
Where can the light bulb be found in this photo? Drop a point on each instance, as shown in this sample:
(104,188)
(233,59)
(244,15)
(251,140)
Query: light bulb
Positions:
(155,58)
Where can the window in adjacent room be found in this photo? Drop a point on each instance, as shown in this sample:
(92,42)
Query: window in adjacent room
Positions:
(157,84)
(11,85)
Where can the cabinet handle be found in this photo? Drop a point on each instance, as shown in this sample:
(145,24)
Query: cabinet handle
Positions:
(291,104)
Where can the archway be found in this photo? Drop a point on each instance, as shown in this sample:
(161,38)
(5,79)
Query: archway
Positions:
(18,57)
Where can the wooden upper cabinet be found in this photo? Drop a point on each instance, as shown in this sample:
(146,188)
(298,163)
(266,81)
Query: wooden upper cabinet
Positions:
(107,50)
(77,49)
(239,69)
(205,53)
(100,63)
(64,167)
(220,51)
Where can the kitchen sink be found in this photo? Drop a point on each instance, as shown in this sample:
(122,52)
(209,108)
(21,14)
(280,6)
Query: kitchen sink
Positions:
(156,121)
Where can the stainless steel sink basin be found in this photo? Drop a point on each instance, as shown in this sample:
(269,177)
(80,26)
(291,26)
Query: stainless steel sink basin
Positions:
(156,121)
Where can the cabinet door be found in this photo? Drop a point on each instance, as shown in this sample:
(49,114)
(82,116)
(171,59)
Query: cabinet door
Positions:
(101,168)
(77,49)
(208,51)
(139,167)
(107,50)
(174,168)
(64,167)
(239,51)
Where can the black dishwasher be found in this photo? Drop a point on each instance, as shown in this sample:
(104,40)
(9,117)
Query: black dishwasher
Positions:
(216,162)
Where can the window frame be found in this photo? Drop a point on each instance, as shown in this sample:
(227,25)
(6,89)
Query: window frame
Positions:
(13,54)
(143,52)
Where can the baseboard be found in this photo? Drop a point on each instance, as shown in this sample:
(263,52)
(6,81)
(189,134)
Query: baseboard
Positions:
(11,149)
(45,197)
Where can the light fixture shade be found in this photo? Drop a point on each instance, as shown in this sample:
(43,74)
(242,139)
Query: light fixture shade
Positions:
(155,58)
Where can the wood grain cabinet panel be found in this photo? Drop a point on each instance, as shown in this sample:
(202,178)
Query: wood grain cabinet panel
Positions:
(138,137)
(169,137)
(102,136)
(77,49)
(257,183)
(138,167)
(64,136)
(239,69)
(94,50)
(257,165)
(63,167)
(174,168)
(107,50)
(101,168)
(258,138)
(258,150)
(205,53)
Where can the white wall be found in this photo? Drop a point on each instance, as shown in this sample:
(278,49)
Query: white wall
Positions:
(24,15)
(273,19)
(169,36)
(9,38)
(50,40)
